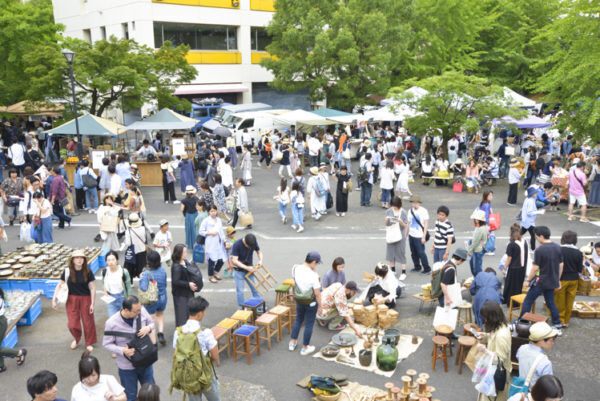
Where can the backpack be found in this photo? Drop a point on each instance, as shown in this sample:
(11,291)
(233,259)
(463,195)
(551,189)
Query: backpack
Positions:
(321,189)
(363,175)
(195,275)
(122,276)
(436,280)
(192,370)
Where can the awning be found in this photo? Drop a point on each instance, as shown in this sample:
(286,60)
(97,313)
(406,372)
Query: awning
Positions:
(527,122)
(416,91)
(518,99)
(199,89)
(330,113)
(297,117)
(165,119)
(36,108)
(89,125)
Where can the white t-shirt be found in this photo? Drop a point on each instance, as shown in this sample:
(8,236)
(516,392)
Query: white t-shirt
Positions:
(113,282)
(81,392)
(442,165)
(306,278)
(415,229)
(387,178)
(163,239)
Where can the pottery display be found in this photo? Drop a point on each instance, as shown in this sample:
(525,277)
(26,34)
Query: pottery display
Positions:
(387,354)
(365,356)
(344,339)
(522,328)
(18,302)
(330,351)
(393,333)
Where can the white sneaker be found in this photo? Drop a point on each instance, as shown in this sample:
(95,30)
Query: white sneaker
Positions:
(293,226)
(307,351)
(402,277)
(167,202)
(300,229)
(490,253)
(343,214)
(337,214)
(284,220)
(176,202)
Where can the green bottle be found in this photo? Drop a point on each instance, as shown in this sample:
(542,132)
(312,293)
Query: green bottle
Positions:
(387,355)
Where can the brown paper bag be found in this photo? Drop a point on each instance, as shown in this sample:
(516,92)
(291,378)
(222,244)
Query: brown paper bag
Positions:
(472,357)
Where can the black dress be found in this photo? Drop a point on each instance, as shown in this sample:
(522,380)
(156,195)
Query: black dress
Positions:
(341,198)
(513,283)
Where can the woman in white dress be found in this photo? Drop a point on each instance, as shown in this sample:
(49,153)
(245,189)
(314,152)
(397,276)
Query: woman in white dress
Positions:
(318,200)
(108,211)
(215,242)
(246,165)
(402,170)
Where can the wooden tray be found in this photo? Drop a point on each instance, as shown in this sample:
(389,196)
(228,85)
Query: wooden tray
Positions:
(584,311)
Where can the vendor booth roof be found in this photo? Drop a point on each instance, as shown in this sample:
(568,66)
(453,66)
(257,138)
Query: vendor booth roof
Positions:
(517,99)
(527,122)
(330,113)
(35,108)
(302,117)
(164,120)
(416,91)
(88,125)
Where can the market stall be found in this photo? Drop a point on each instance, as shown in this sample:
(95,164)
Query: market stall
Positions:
(24,307)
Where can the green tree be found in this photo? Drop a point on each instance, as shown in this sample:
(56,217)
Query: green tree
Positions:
(572,69)
(109,73)
(342,51)
(23,26)
(455,101)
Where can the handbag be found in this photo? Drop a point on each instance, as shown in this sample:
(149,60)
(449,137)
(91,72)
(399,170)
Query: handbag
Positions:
(329,200)
(393,233)
(457,187)
(89,181)
(521,385)
(447,316)
(109,223)
(455,294)
(346,153)
(500,376)
(246,219)
(149,296)
(194,275)
(25,232)
(63,292)
(63,202)
(130,252)
(509,151)
(495,221)
(146,352)
(198,254)
(427,236)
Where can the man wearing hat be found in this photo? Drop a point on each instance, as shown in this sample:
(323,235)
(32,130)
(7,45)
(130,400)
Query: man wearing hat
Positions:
(532,355)
(514,176)
(333,309)
(418,219)
(449,275)
(316,189)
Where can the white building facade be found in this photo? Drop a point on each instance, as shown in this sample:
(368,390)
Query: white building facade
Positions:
(227,38)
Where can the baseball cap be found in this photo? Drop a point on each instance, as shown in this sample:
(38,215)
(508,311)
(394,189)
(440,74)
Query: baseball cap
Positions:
(351,285)
(541,331)
(162,222)
(314,256)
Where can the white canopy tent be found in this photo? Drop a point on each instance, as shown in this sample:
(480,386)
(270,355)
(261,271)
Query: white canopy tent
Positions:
(518,99)
(416,91)
(387,113)
(302,117)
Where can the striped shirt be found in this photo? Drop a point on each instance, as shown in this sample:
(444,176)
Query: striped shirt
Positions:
(443,230)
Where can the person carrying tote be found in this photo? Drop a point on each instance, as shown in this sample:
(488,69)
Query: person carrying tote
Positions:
(135,236)
(155,272)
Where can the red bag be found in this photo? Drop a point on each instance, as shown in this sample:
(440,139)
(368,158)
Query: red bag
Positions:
(457,187)
(494,221)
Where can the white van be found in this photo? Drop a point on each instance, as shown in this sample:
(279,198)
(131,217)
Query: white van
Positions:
(225,111)
(256,123)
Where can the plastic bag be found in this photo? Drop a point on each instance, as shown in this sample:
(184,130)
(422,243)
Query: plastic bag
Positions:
(483,364)
(487,386)
(25,232)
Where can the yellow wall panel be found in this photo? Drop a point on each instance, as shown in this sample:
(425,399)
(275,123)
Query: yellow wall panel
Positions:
(213,57)
(203,3)
(257,57)
(262,5)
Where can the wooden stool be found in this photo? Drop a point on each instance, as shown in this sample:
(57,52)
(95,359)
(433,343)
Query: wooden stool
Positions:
(445,331)
(244,316)
(465,314)
(256,305)
(289,281)
(440,345)
(519,300)
(464,345)
(219,333)
(245,334)
(467,326)
(230,325)
(265,323)
(284,318)
(282,292)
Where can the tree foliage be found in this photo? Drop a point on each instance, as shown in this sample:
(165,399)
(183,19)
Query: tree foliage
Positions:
(23,26)
(455,101)
(109,73)
(572,74)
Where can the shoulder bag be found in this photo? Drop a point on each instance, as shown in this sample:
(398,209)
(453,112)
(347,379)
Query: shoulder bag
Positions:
(145,241)
(521,385)
(130,252)
(89,181)
(426,233)
(146,352)
(393,233)
(149,296)
(109,223)
(63,292)
(302,297)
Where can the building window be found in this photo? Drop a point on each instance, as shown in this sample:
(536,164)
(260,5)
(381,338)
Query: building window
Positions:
(125,27)
(87,35)
(259,39)
(197,37)
(103,32)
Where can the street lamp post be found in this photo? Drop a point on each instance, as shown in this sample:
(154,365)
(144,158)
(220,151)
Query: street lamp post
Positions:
(70,55)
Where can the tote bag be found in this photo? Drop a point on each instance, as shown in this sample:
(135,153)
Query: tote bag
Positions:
(63,292)
(447,316)
(455,294)
(109,223)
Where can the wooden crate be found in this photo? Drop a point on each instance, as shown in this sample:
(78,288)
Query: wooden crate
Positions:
(583,310)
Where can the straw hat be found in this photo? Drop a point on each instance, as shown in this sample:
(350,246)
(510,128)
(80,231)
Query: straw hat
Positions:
(586,250)
(229,230)
(134,166)
(184,156)
(514,162)
(459,161)
(415,198)
(134,220)
(106,196)
(314,170)
(77,253)
(286,141)
(367,143)
(190,189)
(323,166)
(478,215)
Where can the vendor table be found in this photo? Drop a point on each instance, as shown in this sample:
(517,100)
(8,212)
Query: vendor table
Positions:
(11,337)
(424,300)
(150,172)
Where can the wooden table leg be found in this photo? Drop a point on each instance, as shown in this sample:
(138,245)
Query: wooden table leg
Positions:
(257,343)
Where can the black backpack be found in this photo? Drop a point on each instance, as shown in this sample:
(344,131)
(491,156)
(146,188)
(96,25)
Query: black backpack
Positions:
(194,275)
(146,352)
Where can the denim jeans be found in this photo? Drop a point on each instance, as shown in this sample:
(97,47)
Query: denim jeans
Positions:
(282,209)
(530,178)
(417,252)
(475,182)
(130,378)
(116,305)
(476,262)
(533,293)
(503,167)
(438,254)
(214,267)
(313,160)
(297,215)
(211,394)
(240,279)
(386,195)
(306,314)
(91,193)
(59,212)
(365,193)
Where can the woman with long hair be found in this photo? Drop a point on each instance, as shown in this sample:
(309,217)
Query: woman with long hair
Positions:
(44,213)
(182,288)
(497,340)
(168,179)
(283,199)
(150,391)
(517,253)
(20,354)
(246,165)
(387,183)
(427,167)
(82,296)
(396,251)
(219,195)
(116,282)
(472,174)
(486,204)
(155,272)
(403,171)
(188,208)
(109,211)
(214,243)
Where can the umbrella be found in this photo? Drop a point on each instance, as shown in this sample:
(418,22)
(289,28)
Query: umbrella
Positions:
(221,131)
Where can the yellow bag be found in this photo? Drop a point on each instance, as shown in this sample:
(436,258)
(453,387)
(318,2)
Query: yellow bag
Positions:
(443,174)
(247,219)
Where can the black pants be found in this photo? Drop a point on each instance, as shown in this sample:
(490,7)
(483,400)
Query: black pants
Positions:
(531,232)
(266,155)
(79,198)
(59,212)
(169,191)
(135,269)
(235,217)
(181,310)
(513,190)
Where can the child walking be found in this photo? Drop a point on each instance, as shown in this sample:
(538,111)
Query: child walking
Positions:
(283,197)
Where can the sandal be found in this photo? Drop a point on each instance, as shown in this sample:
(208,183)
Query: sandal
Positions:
(89,348)
(213,280)
(21,358)
(74,344)
(217,277)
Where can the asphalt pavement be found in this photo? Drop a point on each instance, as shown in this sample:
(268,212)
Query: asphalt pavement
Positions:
(359,237)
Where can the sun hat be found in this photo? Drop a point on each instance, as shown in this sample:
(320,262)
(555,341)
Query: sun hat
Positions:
(106,196)
(134,166)
(541,331)
(531,191)
(314,170)
(184,156)
(322,165)
(514,162)
(134,220)
(229,230)
(478,215)
(162,222)
(458,161)
(75,254)
(190,189)
(367,143)
(415,198)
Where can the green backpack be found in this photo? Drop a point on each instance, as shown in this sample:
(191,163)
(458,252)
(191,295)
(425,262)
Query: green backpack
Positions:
(192,370)
(436,280)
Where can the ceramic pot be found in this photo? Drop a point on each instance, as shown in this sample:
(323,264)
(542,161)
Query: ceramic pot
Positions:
(387,354)
(522,328)
(393,333)
(365,356)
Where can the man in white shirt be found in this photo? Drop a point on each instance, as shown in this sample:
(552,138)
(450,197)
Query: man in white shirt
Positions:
(16,152)
(115,181)
(418,219)
(145,150)
(226,172)
(314,148)
(307,280)
(208,344)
